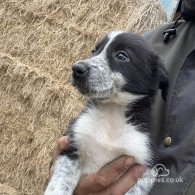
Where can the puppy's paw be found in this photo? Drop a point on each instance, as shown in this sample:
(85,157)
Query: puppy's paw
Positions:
(52,190)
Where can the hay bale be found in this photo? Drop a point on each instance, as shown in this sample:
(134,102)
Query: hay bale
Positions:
(39,40)
(6,190)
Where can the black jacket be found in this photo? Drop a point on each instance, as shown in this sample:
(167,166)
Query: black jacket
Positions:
(175,119)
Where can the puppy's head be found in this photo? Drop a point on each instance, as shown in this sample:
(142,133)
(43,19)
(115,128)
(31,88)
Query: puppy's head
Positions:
(122,67)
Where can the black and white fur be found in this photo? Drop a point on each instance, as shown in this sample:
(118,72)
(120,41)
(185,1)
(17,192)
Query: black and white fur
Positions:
(120,79)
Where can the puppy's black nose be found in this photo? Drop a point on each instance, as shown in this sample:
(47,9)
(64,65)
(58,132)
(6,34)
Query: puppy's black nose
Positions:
(80,70)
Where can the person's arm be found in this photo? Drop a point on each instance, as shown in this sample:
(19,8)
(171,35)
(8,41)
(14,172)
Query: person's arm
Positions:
(117,177)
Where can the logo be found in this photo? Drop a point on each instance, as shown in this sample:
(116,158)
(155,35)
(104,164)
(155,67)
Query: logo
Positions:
(159,170)
(161,175)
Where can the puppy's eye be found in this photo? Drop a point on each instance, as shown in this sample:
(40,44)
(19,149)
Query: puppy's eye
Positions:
(122,56)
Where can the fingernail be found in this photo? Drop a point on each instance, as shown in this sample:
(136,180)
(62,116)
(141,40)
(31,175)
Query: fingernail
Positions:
(129,162)
(140,170)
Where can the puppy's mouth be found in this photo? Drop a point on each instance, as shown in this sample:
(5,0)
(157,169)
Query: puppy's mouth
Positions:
(101,94)
(94,90)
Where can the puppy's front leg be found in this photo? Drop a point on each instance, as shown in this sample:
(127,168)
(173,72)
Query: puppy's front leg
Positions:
(65,176)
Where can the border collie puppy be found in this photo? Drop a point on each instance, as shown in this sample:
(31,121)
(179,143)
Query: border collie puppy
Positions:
(120,80)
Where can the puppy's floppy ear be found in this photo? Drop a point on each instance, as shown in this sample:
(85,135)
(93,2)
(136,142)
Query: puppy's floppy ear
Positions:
(163,79)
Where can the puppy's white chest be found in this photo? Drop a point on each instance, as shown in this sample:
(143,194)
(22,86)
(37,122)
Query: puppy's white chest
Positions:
(103,135)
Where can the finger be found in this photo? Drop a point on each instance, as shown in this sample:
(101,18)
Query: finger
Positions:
(105,176)
(62,145)
(114,169)
(128,180)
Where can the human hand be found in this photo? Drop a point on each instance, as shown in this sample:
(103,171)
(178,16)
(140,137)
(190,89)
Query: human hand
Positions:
(62,146)
(117,177)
